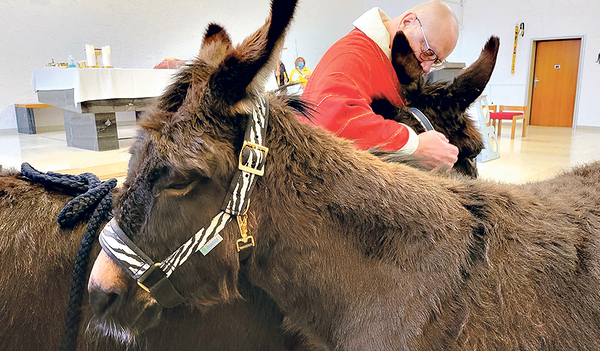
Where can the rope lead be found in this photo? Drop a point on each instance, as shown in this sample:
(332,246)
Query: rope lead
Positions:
(90,195)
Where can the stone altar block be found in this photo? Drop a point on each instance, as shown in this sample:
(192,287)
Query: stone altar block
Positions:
(90,97)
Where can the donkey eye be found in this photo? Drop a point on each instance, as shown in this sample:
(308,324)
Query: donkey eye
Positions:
(179,186)
(179,181)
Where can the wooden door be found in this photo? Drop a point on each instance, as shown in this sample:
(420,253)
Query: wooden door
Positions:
(555,82)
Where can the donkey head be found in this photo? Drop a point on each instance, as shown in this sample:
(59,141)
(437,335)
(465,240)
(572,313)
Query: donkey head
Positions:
(182,163)
(447,103)
(443,103)
(459,94)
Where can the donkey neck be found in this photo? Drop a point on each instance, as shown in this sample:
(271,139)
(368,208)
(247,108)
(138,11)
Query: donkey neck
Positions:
(337,227)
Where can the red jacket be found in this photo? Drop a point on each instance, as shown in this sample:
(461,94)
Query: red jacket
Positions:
(349,76)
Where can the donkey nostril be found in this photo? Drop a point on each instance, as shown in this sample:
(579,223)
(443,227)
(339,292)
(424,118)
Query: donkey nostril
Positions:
(102,302)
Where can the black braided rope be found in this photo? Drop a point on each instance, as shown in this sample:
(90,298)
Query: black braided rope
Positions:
(92,194)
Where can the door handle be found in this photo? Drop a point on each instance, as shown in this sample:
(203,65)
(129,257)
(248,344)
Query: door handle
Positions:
(535,81)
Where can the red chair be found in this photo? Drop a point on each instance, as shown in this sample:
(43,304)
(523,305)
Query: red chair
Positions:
(511,113)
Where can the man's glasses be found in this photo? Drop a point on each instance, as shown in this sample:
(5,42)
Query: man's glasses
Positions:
(429,54)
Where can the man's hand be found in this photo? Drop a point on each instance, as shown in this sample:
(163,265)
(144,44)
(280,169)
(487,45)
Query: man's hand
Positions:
(435,150)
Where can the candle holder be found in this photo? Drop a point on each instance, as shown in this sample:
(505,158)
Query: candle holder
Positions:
(93,55)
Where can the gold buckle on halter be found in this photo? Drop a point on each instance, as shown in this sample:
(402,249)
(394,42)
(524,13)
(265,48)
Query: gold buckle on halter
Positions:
(246,241)
(142,285)
(248,169)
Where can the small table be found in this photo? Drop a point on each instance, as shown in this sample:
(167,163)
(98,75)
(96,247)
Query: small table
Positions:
(90,97)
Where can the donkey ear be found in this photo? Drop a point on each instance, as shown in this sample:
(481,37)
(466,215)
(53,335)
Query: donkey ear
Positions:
(175,94)
(215,46)
(232,80)
(467,87)
(215,33)
(405,63)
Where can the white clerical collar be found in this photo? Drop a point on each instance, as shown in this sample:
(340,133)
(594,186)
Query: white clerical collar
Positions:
(371,23)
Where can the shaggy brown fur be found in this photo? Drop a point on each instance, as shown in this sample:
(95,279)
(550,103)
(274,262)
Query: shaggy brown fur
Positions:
(37,260)
(358,253)
(444,104)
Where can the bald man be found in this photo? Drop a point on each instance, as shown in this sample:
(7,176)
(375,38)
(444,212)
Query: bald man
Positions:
(357,69)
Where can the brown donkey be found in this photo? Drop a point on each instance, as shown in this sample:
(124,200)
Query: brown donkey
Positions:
(37,258)
(190,327)
(359,254)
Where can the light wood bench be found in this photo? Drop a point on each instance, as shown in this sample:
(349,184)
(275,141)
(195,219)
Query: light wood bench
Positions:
(26,117)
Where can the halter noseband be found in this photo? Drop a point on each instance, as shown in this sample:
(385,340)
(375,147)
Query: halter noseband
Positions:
(154,277)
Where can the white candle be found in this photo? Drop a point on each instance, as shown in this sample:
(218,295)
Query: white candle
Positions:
(90,55)
(106,56)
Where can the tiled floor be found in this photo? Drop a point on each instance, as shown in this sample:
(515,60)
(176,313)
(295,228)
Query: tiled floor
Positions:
(543,153)
(540,155)
(49,152)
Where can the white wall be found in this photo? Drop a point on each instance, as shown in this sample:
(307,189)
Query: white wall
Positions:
(142,33)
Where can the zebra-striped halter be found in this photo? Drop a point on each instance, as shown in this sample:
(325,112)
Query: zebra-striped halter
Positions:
(154,277)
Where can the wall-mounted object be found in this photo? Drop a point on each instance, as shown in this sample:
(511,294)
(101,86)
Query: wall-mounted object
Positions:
(519,30)
(522,29)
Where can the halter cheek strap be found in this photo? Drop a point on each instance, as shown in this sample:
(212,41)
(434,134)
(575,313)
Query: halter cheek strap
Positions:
(154,277)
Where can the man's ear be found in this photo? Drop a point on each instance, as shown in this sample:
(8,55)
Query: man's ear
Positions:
(408,19)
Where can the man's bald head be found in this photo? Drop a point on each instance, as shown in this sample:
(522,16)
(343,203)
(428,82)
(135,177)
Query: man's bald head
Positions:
(438,22)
